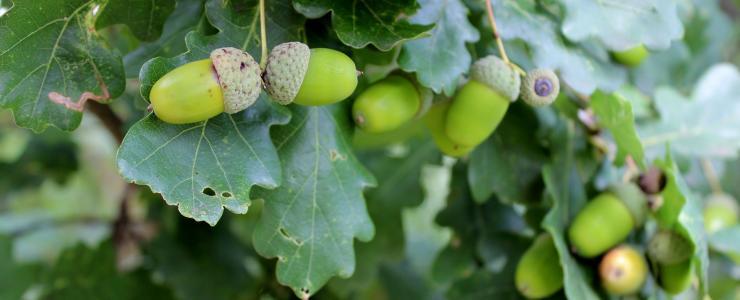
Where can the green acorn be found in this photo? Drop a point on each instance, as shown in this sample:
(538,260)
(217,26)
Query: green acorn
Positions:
(435,120)
(720,211)
(623,270)
(229,81)
(482,102)
(295,73)
(540,87)
(668,247)
(607,220)
(386,105)
(631,57)
(675,279)
(538,273)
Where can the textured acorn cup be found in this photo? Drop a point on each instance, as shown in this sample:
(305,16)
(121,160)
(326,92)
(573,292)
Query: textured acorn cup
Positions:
(497,75)
(623,270)
(603,223)
(295,73)
(538,273)
(540,87)
(227,82)
(667,247)
(386,105)
(721,211)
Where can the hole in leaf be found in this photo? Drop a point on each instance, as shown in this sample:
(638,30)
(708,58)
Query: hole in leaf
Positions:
(226,195)
(209,191)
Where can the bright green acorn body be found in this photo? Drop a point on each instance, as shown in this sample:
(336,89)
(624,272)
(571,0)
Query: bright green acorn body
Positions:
(631,57)
(538,273)
(604,222)
(676,278)
(386,105)
(435,120)
(229,81)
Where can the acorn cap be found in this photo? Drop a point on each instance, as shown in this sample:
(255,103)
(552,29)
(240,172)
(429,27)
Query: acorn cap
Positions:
(285,70)
(540,87)
(498,75)
(633,198)
(668,247)
(239,77)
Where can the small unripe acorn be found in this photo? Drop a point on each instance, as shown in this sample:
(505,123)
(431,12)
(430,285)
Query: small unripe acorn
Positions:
(668,247)
(720,211)
(540,87)
(481,103)
(631,57)
(386,105)
(605,221)
(538,273)
(229,81)
(295,73)
(623,270)
(675,279)
(435,120)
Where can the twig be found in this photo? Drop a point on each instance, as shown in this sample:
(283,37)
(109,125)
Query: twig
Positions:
(499,43)
(110,120)
(711,176)
(263,36)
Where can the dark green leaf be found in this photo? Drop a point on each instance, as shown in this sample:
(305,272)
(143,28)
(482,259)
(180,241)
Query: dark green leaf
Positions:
(359,23)
(565,186)
(440,59)
(45,47)
(310,222)
(145,18)
(205,167)
(485,285)
(509,163)
(615,114)
(186,16)
(23,276)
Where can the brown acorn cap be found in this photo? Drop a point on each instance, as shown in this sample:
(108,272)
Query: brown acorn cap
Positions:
(239,77)
(286,67)
(633,198)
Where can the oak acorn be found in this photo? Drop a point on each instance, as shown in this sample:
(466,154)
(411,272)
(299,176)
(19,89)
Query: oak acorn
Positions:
(540,87)
(319,76)
(720,211)
(623,270)
(631,57)
(482,102)
(435,120)
(538,273)
(386,105)
(229,81)
(607,220)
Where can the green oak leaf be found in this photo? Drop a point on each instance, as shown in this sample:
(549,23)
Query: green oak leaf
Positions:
(510,150)
(46,47)
(309,223)
(399,187)
(359,23)
(615,113)
(704,125)
(623,24)
(185,18)
(482,285)
(145,18)
(584,66)
(212,164)
(565,187)
(683,212)
(206,166)
(441,58)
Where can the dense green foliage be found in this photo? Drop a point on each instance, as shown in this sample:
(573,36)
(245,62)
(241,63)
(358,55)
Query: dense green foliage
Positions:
(439,197)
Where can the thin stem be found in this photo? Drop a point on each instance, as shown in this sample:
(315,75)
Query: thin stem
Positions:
(499,43)
(711,176)
(263,36)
